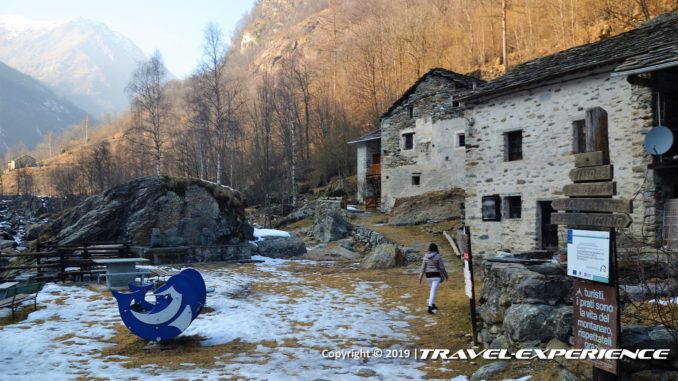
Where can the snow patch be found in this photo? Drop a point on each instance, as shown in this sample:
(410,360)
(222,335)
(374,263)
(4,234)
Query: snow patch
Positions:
(261,234)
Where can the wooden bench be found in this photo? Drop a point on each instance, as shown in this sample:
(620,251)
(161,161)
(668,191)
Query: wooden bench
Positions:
(19,294)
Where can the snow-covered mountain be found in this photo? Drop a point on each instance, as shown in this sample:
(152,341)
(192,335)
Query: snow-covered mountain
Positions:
(80,59)
(28,109)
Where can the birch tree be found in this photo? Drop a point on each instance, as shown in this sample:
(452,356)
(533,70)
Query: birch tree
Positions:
(146,90)
(212,79)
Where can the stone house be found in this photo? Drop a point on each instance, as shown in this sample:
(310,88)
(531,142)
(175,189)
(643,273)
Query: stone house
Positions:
(21,162)
(524,127)
(368,168)
(423,137)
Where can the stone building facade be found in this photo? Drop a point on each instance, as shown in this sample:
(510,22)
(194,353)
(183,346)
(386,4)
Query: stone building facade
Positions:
(546,117)
(423,138)
(525,127)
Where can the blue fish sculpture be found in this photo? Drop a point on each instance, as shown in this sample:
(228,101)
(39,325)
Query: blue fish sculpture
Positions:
(177,303)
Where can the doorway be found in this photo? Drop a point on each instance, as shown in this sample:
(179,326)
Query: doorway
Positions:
(548,232)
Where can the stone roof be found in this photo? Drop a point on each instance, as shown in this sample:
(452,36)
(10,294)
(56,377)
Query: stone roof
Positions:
(463,81)
(374,135)
(653,42)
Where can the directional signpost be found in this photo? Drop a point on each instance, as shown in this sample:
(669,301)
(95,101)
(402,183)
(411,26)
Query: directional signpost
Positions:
(592,216)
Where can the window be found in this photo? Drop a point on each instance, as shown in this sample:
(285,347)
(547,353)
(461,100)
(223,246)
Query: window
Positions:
(411,111)
(578,136)
(513,145)
(491,208)
(514,205)
(408,140)
(461,140)
(416,179)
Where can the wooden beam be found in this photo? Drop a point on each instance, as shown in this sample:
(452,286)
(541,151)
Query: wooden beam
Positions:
(589,159)
(452,243)
(593,205)
(592,219)
(596,173)
(606,188)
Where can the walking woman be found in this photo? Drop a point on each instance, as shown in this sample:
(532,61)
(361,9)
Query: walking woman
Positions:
(434,269)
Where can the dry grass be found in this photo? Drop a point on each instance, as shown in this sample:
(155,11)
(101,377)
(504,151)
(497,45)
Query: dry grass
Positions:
(20,315)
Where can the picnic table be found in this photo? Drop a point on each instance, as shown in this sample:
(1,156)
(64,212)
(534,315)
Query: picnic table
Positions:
(121,271)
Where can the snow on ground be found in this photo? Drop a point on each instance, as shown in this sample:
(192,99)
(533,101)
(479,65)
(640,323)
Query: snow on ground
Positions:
(63,340)
(260,234)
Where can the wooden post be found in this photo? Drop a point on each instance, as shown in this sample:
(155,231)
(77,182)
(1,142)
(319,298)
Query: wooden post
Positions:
(465,243)
(596,131)
(592,191)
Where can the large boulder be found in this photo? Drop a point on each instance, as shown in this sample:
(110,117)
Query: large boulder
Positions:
(530,323)
(182,209)
(281,247)
(432,206)
(384,256)
(329,225)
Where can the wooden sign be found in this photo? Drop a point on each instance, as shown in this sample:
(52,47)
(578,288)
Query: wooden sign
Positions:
(606,188)
(596,320)
(589,159)
(597,173)
(592,219)
(593,205)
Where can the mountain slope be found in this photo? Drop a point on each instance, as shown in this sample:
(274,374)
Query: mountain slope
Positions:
(28,109)
(78,58)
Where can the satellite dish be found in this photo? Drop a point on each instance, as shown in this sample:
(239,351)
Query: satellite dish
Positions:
(658,141)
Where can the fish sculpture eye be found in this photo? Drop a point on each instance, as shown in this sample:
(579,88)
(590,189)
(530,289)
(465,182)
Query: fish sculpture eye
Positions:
(177,303)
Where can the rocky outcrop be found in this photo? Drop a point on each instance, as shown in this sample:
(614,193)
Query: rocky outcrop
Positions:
(428,207)
(384,256)
(281,247)
(184,211)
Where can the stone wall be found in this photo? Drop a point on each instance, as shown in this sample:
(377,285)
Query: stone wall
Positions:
(435,156)
(523,306)
(546,116)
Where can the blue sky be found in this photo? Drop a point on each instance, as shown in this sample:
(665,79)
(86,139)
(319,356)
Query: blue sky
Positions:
(172,26)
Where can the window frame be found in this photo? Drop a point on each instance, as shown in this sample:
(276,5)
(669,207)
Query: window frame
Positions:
(458,135)
(415,176)
(405,136)
(510,155)
(485,208)
(509,204)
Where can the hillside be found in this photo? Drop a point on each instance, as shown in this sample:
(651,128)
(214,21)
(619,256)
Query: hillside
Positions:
(368,52)
(29,110)
(80,59)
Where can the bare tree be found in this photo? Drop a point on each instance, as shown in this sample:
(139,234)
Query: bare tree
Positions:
(212,79)
(96,166)
(24,181)
(146,89)
(65,181)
